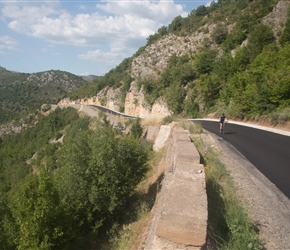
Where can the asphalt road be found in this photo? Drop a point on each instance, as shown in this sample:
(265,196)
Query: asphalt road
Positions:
(268,151)
(109,111)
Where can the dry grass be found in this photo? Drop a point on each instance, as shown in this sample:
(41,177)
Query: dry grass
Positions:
(193,128)
(152,121)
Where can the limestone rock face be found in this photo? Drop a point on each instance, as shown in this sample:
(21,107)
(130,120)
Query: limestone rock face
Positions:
(108,99)
(156,56)
(154,59)
(278,17)
(136,105)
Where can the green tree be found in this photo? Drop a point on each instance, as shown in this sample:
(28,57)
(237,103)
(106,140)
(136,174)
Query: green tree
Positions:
(204,61)
(241,60)
(98,171)
(191,105)
(175,95)
(210,88)
(268,72)
(176,24)
(162,31)
(259,37)
(8,228)
(220,33)
(201,11)
(136,130)
(38,213)
(234,39)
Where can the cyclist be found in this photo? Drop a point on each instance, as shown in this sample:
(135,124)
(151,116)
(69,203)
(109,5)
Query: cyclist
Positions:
(222,121)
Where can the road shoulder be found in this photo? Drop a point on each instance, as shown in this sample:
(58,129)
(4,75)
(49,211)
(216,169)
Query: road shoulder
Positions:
(266,205)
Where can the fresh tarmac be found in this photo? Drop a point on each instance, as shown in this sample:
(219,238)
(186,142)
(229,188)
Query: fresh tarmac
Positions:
(268,151)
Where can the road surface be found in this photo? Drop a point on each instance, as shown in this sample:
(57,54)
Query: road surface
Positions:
(110,111)
(268,151)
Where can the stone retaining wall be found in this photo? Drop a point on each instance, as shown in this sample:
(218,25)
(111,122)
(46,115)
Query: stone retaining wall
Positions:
(180,220)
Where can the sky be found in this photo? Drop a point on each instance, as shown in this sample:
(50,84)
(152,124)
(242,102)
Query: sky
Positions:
(81,37)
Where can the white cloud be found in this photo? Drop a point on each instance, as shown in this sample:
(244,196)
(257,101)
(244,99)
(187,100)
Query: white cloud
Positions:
(84,74)
(27,12)
(119,27)
(163,11)
(111,58)
(122,20)
(7,43)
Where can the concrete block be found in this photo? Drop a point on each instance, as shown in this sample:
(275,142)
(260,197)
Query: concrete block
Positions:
(180,136)
(185,151)
(182,210)
(184,215)
(182,230)
(152,132)
(162,137)
(192,171)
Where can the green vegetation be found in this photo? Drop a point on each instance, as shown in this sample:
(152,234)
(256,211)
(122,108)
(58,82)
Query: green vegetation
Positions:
(66,183)
(134,232)
(115,78)
(171,83)
(70,182)
(21,93)
(246,82)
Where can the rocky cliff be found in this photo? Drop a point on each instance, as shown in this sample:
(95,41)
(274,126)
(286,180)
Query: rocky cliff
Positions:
(153,60)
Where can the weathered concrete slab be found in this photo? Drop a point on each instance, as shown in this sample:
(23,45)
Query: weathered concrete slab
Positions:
(179,130)
(151,133)
(181,215)
(180,136)
(162,137)
(185,151)
(191,171)
(181,230)
(184,215)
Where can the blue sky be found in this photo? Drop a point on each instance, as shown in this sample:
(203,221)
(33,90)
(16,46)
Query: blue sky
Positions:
(82,37)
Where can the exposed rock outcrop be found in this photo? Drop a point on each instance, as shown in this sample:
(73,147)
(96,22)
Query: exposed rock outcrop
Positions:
(154,59)
(135,103)
(278,17)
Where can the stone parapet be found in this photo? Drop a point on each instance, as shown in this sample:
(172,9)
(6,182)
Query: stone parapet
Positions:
(185,151)
(181,215)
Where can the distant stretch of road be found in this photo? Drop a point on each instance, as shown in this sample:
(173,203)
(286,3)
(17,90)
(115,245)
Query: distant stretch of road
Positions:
(109,111)
(268,151)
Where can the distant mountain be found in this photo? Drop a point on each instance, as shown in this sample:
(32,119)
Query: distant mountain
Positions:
(90,78)
(23,92)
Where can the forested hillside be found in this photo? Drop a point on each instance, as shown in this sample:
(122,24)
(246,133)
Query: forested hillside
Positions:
(68,182)
(21,93)
(231,57)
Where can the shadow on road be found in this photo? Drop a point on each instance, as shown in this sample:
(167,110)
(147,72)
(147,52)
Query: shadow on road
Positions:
(230,133)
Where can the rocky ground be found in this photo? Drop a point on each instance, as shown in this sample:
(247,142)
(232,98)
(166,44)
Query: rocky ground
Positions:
(267,207)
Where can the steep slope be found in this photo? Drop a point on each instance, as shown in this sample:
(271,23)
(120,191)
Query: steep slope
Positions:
(22,92)
(221,58)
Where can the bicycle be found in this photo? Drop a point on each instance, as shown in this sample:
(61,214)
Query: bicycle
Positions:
(222,129)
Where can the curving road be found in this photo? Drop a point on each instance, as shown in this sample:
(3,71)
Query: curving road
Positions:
(268,151)
(110,111)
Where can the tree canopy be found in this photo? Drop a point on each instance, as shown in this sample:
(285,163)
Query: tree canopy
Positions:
(54,194)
